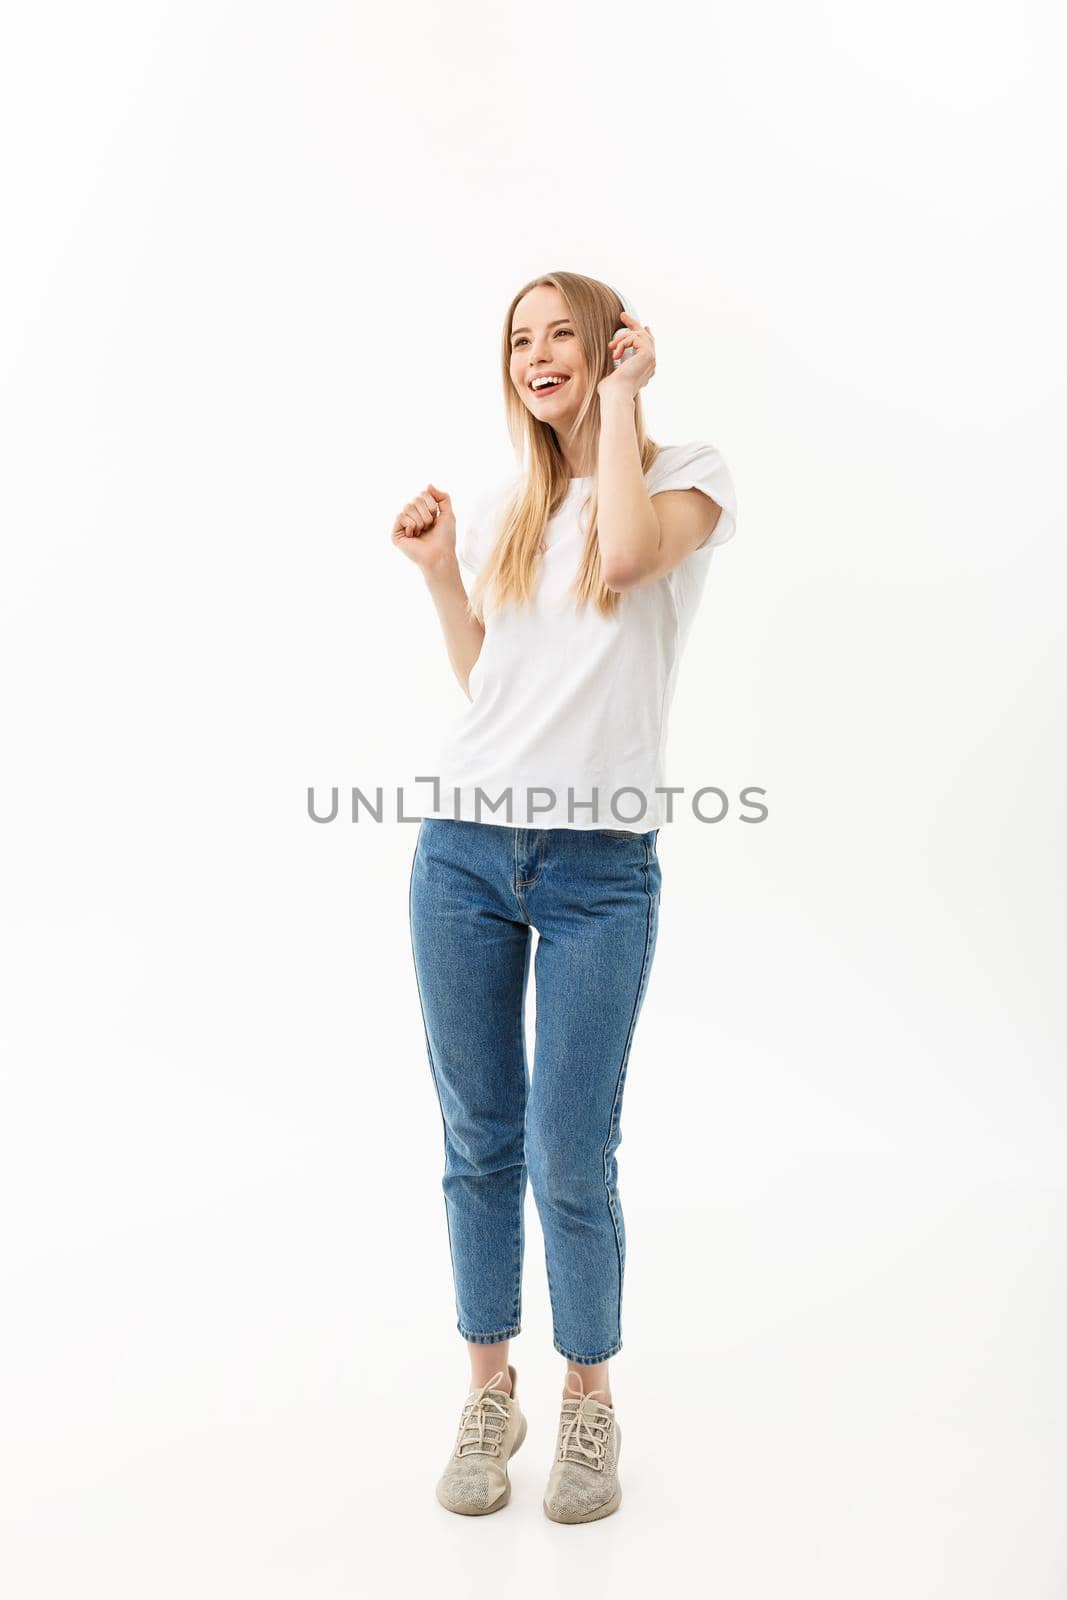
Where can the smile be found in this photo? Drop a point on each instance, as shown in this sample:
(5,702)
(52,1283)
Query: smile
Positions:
(549,388)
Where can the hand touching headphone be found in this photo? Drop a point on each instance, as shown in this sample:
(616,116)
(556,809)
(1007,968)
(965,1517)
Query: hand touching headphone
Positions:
(633,350)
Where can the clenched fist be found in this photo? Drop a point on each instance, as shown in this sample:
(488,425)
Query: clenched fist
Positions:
(425,529)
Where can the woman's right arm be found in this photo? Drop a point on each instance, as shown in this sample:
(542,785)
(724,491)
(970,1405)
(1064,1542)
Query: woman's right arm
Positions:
(463,633)
(425,530)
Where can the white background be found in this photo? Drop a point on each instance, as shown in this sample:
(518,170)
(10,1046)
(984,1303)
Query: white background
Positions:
(255,263)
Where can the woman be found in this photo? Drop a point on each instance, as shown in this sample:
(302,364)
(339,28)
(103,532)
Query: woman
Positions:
(586,569)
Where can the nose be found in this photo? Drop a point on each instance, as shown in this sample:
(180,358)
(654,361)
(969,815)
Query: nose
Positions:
(538,359)
(540,349)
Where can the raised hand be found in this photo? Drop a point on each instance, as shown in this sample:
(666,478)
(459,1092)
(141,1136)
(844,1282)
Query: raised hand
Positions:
(425,528)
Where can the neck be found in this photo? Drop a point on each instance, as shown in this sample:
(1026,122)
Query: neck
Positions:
(578,466)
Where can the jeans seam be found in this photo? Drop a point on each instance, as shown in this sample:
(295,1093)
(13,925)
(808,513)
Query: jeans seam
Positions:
(590,1361)
(528,883)
(488,1338)
(619,1079)
(516,1247)
(520,1026)
(433,1069)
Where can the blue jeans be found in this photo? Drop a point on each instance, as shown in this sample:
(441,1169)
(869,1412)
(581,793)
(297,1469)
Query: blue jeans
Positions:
(477,889)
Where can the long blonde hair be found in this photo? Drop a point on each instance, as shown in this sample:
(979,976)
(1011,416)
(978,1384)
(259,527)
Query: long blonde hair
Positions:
(512,565)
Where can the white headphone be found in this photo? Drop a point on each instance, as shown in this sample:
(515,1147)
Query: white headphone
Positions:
(627,305)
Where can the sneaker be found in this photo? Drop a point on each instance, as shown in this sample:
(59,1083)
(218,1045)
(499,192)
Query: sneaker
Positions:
(584,1481)
(491,1429)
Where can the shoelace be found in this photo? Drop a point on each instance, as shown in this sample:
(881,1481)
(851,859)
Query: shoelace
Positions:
(483,1417)
(582,1422)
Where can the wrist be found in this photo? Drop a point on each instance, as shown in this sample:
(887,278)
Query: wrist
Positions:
(617,400)
(442,573)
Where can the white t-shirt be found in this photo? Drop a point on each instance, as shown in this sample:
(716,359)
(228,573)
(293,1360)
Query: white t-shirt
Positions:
(568,706)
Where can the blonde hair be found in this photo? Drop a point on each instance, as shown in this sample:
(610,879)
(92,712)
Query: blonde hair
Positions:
(512,565)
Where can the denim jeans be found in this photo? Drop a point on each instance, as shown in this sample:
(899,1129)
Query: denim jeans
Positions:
(477,890)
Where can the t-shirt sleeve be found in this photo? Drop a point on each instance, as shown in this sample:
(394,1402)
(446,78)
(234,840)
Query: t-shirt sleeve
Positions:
(698,466)
(469,540)
(476,529)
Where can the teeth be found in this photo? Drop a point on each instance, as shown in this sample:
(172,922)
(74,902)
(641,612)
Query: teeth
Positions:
(544,383)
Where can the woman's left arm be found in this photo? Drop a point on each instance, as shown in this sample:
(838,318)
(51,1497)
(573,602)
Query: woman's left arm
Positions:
(641,537)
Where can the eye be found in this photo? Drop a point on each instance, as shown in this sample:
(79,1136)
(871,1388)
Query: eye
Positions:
(523,340)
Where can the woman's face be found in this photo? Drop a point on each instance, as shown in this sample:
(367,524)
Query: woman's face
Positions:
(543,343)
